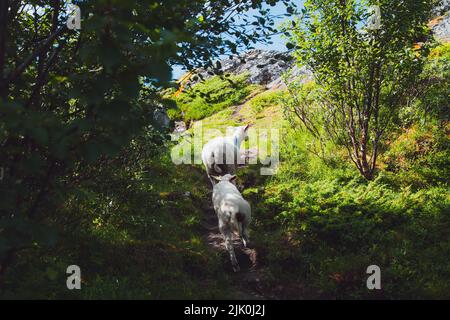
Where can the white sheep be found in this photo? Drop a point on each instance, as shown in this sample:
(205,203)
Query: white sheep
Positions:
(233,213)
(220,155)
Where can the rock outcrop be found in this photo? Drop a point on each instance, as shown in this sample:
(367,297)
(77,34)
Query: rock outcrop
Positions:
(441,8)
(265,67)
(440,24)
(441,27)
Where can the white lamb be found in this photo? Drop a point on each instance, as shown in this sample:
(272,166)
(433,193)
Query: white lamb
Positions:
(233,213)
(220,155)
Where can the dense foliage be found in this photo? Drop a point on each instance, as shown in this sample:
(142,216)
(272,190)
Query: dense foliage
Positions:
(88,177)
(71,100)
(363,74)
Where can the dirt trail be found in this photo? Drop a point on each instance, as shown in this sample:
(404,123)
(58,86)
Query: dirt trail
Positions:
(237,108)
(247,283)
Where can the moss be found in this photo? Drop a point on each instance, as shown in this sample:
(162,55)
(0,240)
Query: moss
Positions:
(441,51)
(266,99)
(211,96)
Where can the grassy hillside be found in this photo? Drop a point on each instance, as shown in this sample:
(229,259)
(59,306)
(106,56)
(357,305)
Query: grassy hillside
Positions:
(317,224)
(206,98)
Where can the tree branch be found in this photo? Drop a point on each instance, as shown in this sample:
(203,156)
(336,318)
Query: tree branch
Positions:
(16,73)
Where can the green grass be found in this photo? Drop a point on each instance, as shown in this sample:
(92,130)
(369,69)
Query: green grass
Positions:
(320,226)
(213,95)
(266,99)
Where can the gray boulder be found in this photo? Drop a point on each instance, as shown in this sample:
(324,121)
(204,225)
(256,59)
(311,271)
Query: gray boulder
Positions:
(440,25)
(265,67)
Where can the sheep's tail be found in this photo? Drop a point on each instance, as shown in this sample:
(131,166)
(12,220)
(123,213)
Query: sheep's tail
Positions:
(234,216)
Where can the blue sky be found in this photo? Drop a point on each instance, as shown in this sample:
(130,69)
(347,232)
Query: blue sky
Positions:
(278,41)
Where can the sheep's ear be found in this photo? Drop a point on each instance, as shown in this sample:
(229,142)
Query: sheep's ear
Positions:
(233,177)
(246,127)
(216,178)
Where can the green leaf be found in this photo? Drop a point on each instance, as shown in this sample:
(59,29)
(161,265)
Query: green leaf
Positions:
(290,45)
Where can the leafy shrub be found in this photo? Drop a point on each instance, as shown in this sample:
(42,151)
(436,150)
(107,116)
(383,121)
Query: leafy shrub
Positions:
(420,156)
(441,51)
(332,230)
(135,210)
(429,99)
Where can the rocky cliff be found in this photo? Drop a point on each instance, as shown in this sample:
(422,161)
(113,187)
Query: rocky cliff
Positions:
(265,67)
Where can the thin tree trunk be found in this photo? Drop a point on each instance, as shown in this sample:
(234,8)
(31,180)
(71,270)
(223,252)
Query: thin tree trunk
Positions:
(4,4)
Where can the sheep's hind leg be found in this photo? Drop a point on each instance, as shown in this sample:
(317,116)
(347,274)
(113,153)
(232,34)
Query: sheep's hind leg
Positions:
(245,238)
(208,173)
(213,182)
(226,232)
